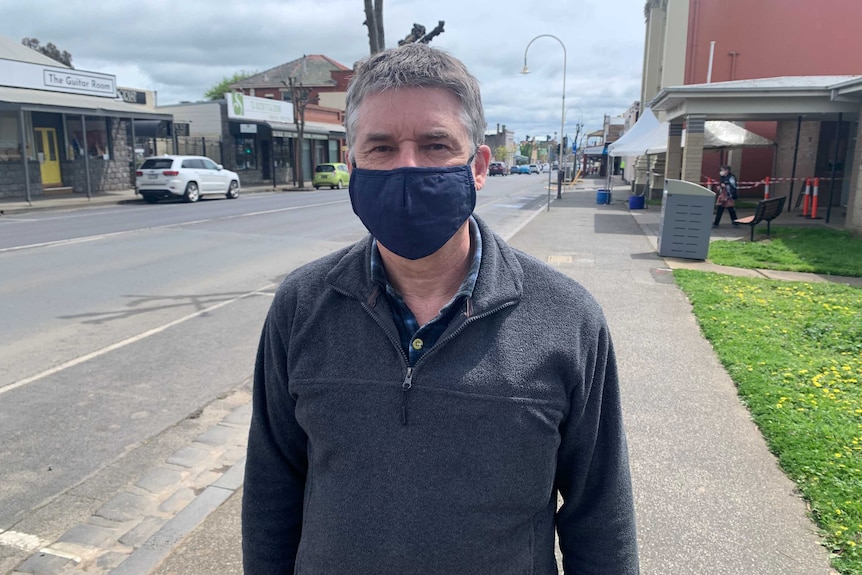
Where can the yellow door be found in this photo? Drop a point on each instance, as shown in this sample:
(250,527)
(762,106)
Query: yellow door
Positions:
(49,160)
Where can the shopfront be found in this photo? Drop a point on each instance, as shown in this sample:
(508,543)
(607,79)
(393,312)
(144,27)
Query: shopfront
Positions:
(266,136)
(64,130)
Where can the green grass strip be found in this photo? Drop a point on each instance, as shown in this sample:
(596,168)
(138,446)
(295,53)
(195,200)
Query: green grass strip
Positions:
(817,250)
(794,350)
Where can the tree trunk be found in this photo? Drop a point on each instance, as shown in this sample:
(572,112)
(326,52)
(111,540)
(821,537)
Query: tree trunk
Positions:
(374,28)
(378,20)
(300,175)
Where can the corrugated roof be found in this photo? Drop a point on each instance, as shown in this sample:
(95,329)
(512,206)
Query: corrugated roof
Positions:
(12,50)
(776,83)
(311,70)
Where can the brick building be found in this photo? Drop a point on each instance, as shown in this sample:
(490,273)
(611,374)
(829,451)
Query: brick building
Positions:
(774,67)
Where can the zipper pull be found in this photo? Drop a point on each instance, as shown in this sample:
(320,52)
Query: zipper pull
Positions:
(405,387)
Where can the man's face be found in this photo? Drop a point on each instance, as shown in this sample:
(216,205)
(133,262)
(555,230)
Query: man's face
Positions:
(415,127)
(722,172)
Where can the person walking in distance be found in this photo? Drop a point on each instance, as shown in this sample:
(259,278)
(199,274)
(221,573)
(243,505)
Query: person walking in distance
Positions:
(727,194)
(422,397)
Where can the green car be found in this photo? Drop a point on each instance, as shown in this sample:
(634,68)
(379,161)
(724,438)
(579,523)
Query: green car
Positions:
(335,176)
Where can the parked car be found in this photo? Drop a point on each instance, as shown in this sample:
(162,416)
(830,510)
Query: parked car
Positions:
(534,168)
(497,169)
(186,177)
(334,175)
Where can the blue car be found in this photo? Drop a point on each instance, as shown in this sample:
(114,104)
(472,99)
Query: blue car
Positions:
(520,169)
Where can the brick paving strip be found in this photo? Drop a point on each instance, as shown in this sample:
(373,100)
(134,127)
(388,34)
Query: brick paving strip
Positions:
(137,528)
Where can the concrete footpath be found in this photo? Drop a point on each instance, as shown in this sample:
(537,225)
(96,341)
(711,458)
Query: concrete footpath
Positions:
(710,498)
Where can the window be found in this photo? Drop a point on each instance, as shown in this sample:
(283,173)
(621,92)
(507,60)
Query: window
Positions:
(98,142)
(246,153)
(157,164)
(282,151)
(209,164)
(9,138)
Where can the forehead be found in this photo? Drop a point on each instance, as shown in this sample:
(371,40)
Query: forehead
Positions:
(408,111)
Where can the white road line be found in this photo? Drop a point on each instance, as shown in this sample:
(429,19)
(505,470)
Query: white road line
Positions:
(165,226)
(22,541)
(511,234)
(67,242)
(114,346)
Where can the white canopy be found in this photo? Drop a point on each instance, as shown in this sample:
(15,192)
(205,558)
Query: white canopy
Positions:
(717,134)
(630,142)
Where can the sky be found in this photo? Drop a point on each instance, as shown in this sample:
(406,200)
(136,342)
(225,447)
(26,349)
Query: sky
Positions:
(181,48)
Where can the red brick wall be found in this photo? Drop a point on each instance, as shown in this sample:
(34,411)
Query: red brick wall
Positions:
(773,38)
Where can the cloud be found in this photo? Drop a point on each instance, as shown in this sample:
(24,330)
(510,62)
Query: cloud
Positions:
(182,48)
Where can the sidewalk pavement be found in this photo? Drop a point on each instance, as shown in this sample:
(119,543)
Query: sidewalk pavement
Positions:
(709,496)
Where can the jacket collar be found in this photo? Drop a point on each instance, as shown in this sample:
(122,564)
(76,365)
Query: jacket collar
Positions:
(500,279)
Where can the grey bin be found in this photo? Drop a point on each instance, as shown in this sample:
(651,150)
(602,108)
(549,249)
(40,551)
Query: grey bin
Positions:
(686,219)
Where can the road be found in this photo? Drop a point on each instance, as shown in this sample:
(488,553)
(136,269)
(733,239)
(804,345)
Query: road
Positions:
(121,323)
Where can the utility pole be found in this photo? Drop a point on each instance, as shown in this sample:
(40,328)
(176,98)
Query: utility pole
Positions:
(299,96)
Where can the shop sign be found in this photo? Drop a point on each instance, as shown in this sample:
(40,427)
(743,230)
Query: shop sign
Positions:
(242,107)
(37,77)
(132,96)
(248,128)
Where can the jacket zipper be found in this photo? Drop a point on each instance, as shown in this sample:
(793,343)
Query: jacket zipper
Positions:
(407,384)
(405,387)
(408,379)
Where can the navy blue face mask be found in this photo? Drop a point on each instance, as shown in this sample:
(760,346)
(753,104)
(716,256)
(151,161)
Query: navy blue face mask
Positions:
(412,212)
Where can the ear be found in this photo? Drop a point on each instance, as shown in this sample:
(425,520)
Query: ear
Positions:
(480,165)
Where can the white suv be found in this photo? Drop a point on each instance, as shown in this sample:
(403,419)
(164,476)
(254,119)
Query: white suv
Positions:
(186,177)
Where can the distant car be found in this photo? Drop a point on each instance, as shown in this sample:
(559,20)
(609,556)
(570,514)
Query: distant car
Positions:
(523,169)
(555,166)
(534,168)
(497,169)
(334,175)
(186,177)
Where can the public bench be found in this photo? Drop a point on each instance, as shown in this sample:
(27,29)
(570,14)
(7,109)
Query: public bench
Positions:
(767,210)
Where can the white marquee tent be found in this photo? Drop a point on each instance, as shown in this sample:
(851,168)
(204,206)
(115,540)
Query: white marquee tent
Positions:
(649,136)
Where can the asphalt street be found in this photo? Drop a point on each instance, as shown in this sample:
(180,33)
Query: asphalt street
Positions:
(710,498)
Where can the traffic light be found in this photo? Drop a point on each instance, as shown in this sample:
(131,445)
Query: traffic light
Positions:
(565,142)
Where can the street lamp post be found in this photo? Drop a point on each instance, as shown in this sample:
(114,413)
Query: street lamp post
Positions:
(562,113)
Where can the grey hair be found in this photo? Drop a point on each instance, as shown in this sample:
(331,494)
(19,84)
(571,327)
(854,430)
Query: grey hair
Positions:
(415,65)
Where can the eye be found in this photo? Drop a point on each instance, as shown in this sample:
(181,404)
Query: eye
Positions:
(381,149)
(436,147)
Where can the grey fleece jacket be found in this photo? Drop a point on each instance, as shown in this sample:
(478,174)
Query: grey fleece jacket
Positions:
(358,465)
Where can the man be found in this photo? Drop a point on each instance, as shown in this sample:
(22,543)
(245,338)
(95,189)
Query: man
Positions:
(727,194)
(421,397)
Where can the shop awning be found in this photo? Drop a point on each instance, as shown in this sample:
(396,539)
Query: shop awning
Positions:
(311,130)
(594,150)
(59,103)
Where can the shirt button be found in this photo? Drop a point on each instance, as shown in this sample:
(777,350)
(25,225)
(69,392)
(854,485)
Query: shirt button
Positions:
(417,344)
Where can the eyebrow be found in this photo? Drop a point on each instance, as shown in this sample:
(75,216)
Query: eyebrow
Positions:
(385,137)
